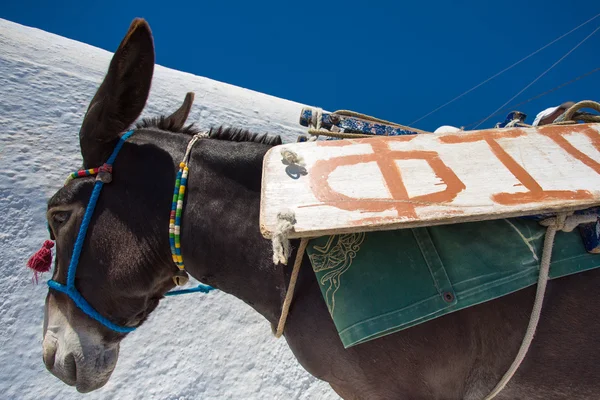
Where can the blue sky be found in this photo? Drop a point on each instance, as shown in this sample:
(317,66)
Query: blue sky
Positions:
(394,60)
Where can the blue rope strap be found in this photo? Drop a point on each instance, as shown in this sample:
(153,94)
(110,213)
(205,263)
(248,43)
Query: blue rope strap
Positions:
(198,289)
(69,289)
(84,306)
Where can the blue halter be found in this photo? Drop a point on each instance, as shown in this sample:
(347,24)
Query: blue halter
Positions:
(69,288)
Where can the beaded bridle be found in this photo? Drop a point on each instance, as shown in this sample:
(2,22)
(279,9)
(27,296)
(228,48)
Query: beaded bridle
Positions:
(103,176)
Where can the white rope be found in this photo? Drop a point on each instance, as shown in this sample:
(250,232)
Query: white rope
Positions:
(562,222)
(281,243)
(317,118)
(505,69)
(572,221)
(540,76)
(188,150)
(315,123)
(292,157)
(512,123)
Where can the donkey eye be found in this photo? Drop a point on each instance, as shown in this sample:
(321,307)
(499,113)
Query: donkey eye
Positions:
(60,217)
(56,220)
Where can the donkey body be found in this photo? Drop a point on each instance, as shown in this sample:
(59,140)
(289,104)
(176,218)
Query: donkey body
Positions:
(126,268)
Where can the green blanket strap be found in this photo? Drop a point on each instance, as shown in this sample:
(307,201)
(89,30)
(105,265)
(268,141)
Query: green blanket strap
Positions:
(379,283)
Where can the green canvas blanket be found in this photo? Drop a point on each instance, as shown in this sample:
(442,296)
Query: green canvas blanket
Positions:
(381,282)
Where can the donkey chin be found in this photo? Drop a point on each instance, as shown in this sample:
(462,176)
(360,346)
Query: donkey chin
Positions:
(77,355)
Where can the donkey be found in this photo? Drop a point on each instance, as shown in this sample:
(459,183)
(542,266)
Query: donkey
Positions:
(125,268)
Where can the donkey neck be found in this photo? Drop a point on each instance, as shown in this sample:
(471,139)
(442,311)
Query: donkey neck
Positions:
(221,242)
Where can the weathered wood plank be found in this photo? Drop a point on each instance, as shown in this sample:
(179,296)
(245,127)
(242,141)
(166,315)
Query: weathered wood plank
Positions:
(385,183)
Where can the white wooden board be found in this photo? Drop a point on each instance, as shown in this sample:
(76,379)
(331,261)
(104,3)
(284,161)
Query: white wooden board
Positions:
(385,183)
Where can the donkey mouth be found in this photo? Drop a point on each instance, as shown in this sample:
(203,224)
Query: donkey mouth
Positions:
(84,379)
(92,377)
(87,372)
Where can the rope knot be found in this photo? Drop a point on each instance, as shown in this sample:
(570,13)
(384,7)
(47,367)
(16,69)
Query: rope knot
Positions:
(104,173)
(105,168)
(567,222)
(557,222)
(41,261)
(291,157)
(281,244)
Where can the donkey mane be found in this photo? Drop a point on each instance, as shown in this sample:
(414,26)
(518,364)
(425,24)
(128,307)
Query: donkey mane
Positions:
(231,134)
(242,135)
(166,124)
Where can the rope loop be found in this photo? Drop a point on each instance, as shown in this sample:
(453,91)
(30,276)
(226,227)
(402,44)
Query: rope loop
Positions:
(568,115)
(281,244)
(315,124)
(317,118)
(567,222)
(572,115)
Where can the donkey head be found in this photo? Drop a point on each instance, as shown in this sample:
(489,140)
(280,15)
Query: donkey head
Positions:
(125,265)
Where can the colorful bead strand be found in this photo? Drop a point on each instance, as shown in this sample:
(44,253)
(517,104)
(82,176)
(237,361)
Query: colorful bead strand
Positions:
(81,173)
(175,216)
(106,168)
(177,204)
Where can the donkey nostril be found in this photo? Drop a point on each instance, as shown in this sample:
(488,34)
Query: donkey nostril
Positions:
(49,355)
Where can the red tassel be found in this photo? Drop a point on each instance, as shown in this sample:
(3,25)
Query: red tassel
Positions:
(41,261)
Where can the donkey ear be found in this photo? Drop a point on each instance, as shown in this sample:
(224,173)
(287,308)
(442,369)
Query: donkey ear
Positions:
(122,95)
(178,118)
